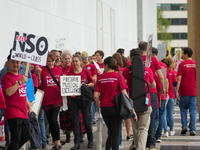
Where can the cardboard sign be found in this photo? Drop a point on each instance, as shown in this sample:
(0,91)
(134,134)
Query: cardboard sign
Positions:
(61,44)
(30,48)
(36,105)
(169,49)
(70,85)
(162,51)
(149,51)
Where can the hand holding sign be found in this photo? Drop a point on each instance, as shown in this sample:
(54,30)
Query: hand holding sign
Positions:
(24,79)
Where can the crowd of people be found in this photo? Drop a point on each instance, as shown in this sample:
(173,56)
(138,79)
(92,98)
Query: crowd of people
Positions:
(72,113)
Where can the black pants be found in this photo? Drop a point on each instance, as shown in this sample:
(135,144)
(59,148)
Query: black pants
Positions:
(76,105)
(20,132)
(113,122)
(52,117)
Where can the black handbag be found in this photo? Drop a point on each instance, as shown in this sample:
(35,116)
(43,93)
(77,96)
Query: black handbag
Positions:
(92,88)
(124,104)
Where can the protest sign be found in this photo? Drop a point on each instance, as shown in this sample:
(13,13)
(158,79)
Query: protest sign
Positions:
(178,63)
(149,51)
(162,51)
(38,101)
(169,49)
(70,85)
(61,44)
(178,54)
(30,48)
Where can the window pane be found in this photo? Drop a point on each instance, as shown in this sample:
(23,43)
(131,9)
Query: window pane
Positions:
(175,36)
(165,6)
(183,35)
(175,22)
(185,6)
(183,21)
(181,7)
(159,6)
(174,6)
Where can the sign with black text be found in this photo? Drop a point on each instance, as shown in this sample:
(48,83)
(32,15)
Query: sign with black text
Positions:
(30,48)
(61,44)
(70,85)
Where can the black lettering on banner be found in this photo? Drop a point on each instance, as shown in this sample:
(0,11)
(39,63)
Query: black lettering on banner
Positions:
(32,47)
(38,46)
(21,44)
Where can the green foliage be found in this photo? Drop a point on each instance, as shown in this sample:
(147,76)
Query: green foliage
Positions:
(162,26)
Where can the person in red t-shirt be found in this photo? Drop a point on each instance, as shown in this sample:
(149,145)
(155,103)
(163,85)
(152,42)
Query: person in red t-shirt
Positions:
(16,112)
(99,57)
(107,87)
(186,87)
(77,104)
(121,51)
(52,100)
(65,115)
(93,70)
(155,67)
(140,128)
(170,105)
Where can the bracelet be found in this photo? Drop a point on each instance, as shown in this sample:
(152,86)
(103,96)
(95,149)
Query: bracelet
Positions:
(166,92)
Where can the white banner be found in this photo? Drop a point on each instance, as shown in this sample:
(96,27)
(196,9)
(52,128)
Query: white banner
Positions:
(162,51)
(70,85)
(30,48)
(36,105)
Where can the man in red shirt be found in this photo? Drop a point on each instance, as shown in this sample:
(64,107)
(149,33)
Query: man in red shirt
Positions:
(99,57)
(186,91)
(16,112)
(155,67)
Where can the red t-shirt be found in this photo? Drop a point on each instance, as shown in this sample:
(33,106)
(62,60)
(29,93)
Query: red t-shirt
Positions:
(187,70)
(148,76)
(158,85)
(66,70)
(154,66)
(100,65)
(35,80)
(108,87)
(172,79)
(2,100)
(92,69)
(16,105)
(52,93)
(128,63)
(84,77)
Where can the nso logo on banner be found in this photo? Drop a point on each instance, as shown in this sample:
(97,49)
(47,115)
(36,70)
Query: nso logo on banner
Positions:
(30,48)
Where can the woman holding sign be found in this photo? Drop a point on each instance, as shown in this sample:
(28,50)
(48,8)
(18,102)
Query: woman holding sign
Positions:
(77,104)
(65,115)
(49,79)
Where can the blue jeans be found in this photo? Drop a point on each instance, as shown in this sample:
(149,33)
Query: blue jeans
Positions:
(168,115)
(120,137)
(160,126)
(157,119)
(41,128)
(151,135)
(188,102)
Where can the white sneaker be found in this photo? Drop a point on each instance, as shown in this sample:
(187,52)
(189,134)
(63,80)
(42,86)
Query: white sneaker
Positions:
(158,141)
(121,146)
(171,133)
(165,134)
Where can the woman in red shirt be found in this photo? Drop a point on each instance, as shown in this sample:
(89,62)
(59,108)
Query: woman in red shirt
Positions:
(52,100)
(77,104)
(107,87)
(65,115)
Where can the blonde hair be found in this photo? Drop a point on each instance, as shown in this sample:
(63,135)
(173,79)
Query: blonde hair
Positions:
(66,52)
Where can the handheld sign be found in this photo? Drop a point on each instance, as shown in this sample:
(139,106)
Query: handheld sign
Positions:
(61,43)
(162,51)
(36,105)
(30,48)
(70,85)
(149,51)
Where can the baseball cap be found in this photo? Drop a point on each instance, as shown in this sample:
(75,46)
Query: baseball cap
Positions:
(84,55)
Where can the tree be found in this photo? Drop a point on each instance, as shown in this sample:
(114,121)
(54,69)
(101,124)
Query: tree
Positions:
(162,26)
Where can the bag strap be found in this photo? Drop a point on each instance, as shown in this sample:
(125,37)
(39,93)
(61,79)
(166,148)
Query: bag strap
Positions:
(54,79)
(120,82)
(87,76)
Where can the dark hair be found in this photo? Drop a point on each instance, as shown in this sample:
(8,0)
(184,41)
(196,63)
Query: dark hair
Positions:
(93,55)
(120,50)
(111,62)
(53,51)
(125,63)
(118,58)
(9,57)
(51,56)
(60,52)
(78,53)
(100,52)
(135,51)
(167,53)
(78,56)
(168,61)
(154,51)
(143,46)
(188,51)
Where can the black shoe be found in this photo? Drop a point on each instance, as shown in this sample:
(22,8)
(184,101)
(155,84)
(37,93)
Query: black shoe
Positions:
(90,144)
(76,146)
(184,130)
(81,138)
(67,140)
(94,122)
(58,147)
(62,142)
(193,133)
